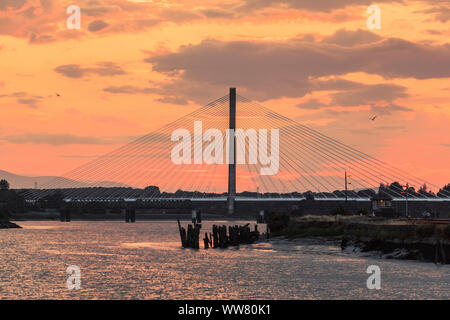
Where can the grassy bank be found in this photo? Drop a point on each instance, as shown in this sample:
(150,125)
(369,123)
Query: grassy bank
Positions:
(361,227)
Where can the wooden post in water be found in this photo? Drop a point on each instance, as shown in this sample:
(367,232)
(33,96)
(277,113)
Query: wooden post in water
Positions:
(196,236)
(182,234)
(206,240)
(215,236)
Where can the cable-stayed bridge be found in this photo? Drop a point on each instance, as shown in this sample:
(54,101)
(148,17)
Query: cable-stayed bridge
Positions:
(231,144)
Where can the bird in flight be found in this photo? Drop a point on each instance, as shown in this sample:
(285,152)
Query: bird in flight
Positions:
(58,95)
(373,118)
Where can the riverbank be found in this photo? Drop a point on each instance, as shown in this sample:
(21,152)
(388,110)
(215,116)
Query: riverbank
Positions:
(8,225)
(400,239)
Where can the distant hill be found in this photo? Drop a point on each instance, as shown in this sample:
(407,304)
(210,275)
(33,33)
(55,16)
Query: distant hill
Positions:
(27,182)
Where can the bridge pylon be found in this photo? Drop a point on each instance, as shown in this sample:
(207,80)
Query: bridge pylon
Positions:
(232,153)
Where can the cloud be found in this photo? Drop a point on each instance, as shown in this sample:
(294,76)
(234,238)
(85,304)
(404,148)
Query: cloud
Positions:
(388,109)
(322,5)
(99,10)
(139,90)
(41,21)
(37,21)
(102,69)
(43,38)
(129,90)
(174,100)
(440,13)
(179,15)
(25,98)
(380,97)
(312,104)
(268,70)
(97,25)
(61,139)
(32,103)
(368,94)
(351,38)
(377,129)
(434,32)
(215,13)
(11,4)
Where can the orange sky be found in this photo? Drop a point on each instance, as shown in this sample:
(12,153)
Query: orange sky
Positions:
(136,65)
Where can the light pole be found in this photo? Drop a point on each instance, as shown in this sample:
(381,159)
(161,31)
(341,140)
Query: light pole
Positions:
(346,185)
(346,197)
(406,196)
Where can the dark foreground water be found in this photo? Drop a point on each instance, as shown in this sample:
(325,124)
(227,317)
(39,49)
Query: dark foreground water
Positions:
(144,261)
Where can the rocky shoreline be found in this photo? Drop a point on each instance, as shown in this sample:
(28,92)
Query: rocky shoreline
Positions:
(391,239)
(429,251)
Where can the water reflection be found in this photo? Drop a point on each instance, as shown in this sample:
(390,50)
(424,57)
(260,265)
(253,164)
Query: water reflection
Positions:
(145,261)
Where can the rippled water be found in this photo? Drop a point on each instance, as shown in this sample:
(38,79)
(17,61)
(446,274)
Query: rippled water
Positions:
(144,261)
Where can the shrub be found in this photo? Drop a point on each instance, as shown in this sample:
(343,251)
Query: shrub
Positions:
(338,211)
(425,230)
(447,231)
(277,221)
(362,212)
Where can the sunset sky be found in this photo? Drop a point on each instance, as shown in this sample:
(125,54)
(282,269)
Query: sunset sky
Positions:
(135,65)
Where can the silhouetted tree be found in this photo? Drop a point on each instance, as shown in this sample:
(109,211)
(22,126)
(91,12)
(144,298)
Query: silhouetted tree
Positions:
(444,192)
(10,200)
(152,191)
(4,185)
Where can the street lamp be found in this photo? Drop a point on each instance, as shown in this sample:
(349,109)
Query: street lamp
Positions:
(406,187)
(346,184)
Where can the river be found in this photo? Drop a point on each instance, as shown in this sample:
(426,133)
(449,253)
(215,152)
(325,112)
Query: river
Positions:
(144,260)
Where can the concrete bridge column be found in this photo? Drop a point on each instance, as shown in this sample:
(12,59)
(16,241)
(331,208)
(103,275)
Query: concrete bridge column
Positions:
(232,154)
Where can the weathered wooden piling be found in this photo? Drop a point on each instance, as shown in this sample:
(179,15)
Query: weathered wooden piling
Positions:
(219,238)
(182,234)
(191,237)
(215,231)
(206,240)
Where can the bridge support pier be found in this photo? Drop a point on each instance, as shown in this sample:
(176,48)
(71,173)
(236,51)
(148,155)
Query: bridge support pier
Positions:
(232,154)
